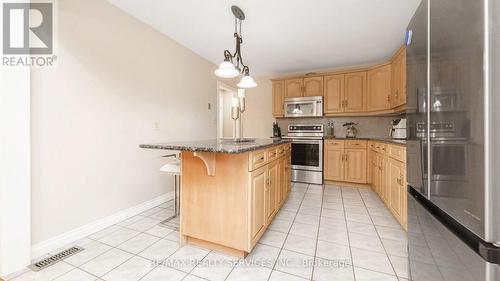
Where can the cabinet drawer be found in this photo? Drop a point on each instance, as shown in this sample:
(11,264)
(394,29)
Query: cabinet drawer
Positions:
(288,147)
(397,152)
(257,159)
(335,143)
(355,143)
(272,153)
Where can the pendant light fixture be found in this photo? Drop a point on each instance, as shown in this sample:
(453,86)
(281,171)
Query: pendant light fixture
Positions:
(233,65)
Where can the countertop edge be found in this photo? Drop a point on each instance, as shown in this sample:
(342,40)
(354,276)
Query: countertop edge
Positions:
(167,146)
(390,141)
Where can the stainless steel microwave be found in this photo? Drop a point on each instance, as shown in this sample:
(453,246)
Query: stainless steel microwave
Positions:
(304,107)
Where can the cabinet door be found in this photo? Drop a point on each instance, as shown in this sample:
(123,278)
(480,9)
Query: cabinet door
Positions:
(334,93)
(404,200)
(402,95)
(258,186)
(288,173)
(379,88)
(293,88)
(334,164)
(355,165)
(395,176)
(278,98)
(396,77)
(376,173)
(355,92)
(282,181)
(272,190)
(313,86)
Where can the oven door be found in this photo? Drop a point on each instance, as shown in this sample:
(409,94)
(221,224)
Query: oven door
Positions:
(307,154)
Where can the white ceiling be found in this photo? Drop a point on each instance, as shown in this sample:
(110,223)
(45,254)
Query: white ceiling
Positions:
(283,36)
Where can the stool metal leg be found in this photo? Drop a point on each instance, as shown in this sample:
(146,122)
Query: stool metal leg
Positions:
(176,203)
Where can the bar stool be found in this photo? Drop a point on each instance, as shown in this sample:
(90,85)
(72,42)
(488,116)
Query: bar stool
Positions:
(173,167)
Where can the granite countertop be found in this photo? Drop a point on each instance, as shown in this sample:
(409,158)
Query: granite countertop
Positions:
(216,145)
(386,140)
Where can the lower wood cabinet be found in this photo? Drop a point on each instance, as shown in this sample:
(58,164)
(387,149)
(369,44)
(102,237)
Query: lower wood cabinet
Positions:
(270,184)
(345,161)
(258,189)
(388,177)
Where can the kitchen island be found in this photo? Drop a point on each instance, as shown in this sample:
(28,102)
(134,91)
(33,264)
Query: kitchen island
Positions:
(230,192)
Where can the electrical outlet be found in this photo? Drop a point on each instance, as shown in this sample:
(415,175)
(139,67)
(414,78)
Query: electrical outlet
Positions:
(209,106)
(157,125)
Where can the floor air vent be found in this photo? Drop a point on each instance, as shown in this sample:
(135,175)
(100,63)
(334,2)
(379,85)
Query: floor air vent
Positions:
(55,258)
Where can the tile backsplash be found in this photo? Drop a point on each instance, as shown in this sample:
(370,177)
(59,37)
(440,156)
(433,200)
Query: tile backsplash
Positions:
(369,127)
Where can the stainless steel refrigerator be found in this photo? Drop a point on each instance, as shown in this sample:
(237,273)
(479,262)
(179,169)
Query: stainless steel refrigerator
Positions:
(453,149)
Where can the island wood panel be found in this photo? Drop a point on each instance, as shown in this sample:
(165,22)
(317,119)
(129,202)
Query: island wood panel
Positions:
(211,206)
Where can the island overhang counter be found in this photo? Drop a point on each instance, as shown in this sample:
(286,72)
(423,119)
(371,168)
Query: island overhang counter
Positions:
(230,192)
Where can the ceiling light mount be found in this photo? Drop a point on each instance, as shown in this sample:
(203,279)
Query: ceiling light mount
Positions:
(237,12)
(233,64)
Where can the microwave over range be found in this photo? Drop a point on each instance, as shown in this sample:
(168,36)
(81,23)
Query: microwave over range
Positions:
(304,107)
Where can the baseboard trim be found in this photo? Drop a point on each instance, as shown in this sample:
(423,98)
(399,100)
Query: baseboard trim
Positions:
(71,236)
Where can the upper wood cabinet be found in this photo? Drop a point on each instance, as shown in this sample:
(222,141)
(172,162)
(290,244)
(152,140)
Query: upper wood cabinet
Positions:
(355,92)
(304,87)
(294,88)
(398,68)
(379,88)
(369,91)
(278,98)
(334,94)
(313,86)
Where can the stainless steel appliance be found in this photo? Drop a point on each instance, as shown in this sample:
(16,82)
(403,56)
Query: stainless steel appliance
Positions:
(452,146)
(398,129)
(304,107)
(307,152)
(441,100)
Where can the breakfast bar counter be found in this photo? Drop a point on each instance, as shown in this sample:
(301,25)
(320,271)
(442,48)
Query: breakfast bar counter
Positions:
(230,192)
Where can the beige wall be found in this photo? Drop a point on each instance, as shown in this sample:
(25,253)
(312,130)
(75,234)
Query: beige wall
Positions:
(117,83)
(258,119)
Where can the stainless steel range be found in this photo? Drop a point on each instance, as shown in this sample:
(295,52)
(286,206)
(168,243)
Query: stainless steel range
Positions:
(307,152)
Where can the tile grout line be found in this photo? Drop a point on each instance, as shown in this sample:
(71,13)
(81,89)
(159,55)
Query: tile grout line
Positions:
(317,234)
(288,233)
(347,229)
(378,235)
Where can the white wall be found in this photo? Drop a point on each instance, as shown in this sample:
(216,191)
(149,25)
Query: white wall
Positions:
(118,83)
(15,220)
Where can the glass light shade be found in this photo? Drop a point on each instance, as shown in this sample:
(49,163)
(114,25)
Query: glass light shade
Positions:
(247,82)
(226,70)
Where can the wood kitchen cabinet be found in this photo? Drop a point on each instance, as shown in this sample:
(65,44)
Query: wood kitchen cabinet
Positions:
(313,86)
(379,88)
(396,187)
(258,195)
(355,165)
(294,88)
(278,98)
(388,172)
(345,161)
(368,91)
(334,160)
(345,93)
(398,73)
(304,87)
(272,190)
(334,94)
(355,92)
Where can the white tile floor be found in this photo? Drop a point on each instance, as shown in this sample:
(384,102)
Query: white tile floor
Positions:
(322,233)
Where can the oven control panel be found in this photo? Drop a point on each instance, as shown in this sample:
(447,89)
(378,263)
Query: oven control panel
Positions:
(318,128)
